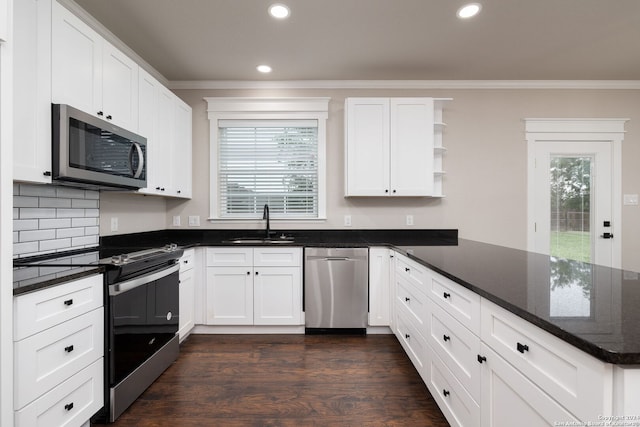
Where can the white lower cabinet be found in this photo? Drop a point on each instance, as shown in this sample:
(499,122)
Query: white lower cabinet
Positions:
(379,289)
(510,399)
(254,286)
(59,354)
(186,319)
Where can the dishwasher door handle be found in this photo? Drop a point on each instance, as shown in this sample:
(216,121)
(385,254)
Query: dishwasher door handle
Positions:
(336,259)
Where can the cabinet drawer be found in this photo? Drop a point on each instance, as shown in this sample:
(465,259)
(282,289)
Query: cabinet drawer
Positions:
(39,310)
(412,341)
(459,302)
(576,380)
(44,360)
(71,403)
(187,259)
(415,303)
(277,257)
(229,257)
(411,270)
(457,347)
(454,401)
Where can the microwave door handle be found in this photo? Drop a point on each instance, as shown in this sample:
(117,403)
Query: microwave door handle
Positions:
(138,172)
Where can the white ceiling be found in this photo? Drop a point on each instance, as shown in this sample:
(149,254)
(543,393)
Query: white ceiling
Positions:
(380,39)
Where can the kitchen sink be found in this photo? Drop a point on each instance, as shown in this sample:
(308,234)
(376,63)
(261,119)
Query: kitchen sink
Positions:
(258,240)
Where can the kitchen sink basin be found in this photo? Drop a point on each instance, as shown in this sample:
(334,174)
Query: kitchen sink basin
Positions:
(257,240)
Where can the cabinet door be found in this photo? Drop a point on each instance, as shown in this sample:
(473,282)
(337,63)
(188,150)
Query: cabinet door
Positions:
(277,296)
(509,399)
(119,88)
(76,62)
(379,285)
(411,146)
(164,137)
(32,87)
(229,296)
(367,146)
(148,92)
(181,158)
(186,320)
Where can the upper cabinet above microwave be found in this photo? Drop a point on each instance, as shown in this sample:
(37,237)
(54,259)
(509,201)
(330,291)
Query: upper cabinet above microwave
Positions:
(90,74)
(60,59)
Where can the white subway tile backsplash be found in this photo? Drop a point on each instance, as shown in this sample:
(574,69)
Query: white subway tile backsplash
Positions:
(52,202)
(70,213)
(85,222)
(37,190)
(69,232)
(84,241)
(26,224)
(25,202)
(81,203)
(46,245)
(30,213)
(55,223)
(71,193)
(37,235)
(49,219)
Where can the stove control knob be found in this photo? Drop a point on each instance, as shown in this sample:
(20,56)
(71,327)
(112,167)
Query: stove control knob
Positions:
(171,247)
(124,258)
(116,259)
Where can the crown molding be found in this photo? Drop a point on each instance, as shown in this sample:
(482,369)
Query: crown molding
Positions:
(407,84)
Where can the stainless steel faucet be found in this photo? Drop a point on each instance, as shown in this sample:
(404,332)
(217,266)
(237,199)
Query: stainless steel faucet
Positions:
(265,215)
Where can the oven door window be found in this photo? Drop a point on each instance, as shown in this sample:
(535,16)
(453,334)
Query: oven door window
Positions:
(143,320)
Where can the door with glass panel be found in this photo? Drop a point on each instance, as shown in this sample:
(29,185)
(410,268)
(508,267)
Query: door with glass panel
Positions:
(573,201)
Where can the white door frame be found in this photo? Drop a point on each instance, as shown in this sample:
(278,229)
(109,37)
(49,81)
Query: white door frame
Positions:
(567,130)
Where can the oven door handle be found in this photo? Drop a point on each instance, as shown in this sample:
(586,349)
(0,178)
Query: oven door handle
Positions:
(119,288)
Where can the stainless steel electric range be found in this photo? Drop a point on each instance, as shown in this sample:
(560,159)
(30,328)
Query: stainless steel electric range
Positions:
(141,315)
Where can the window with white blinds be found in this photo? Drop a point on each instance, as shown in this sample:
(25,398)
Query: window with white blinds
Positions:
(272,162)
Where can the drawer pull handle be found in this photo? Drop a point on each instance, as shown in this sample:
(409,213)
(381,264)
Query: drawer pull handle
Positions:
(446,393)
(446,295)
(407,269)
(446,338)
(407,299)
(68,406)
(68,349)
(68,302)
(407,336)
(248,273)
(481,359)
(522,348)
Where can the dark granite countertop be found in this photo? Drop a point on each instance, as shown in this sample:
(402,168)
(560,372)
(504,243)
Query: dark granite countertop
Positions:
(34,278)
(592,307)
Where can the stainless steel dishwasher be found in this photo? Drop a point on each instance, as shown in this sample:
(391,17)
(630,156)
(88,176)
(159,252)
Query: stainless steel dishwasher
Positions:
(336,286)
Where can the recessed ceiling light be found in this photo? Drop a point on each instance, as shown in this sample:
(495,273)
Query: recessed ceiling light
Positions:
(263,68)
(279,11)
(469,10)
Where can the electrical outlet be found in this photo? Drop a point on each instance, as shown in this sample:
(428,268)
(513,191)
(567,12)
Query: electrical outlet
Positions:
(347,220)
(176,220)
(114,223)
(409,219)
(194,221)
(630,199)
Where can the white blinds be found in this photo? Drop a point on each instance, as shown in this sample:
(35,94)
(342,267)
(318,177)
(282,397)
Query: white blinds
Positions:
(268,162)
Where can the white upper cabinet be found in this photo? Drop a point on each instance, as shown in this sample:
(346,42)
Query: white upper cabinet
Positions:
(32,89)
(181,157)
(390,147)
(90,74)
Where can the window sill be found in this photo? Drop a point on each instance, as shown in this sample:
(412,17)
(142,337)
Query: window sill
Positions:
(261,221)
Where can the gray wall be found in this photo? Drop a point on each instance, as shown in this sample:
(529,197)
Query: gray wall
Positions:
(485,185)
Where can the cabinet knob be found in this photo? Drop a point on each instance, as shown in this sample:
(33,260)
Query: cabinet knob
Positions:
(68,302)
(68,406)
(157,188)
(100,113)
(522,347)
(109,117)
(407,299)
(179,191)
(407,336)
(386,191)
(162,189)
(445,392)
(46,173)
(256,273)
(481,359)
(394,191)
(446,338)
(446,295)
(68,349)
(248,273)
(407,269)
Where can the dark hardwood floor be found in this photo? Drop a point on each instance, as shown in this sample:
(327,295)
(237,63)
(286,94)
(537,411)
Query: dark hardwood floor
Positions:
(287,380)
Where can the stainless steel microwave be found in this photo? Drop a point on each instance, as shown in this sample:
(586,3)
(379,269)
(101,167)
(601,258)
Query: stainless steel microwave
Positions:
(93,153)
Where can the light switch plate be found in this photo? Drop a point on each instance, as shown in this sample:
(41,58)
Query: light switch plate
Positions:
(194,221)
(176,220)
(409,219)
(347,220)
(114,223)
(631,199)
